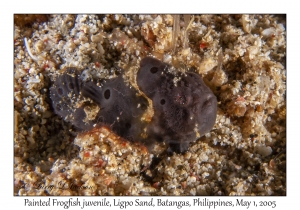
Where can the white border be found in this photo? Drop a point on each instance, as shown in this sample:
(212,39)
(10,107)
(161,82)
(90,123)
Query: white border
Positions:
(8,201)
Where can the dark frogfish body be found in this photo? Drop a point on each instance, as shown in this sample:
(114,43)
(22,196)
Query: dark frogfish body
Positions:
(184,107)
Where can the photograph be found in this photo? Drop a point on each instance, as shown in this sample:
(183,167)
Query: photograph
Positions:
(149,105)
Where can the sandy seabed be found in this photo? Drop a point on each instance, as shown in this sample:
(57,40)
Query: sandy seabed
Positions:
(242,58)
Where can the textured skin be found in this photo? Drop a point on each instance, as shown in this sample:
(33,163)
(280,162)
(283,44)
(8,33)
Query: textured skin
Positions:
(183,110)
(65,93)
(180,108)
(118,106)
(117,101)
